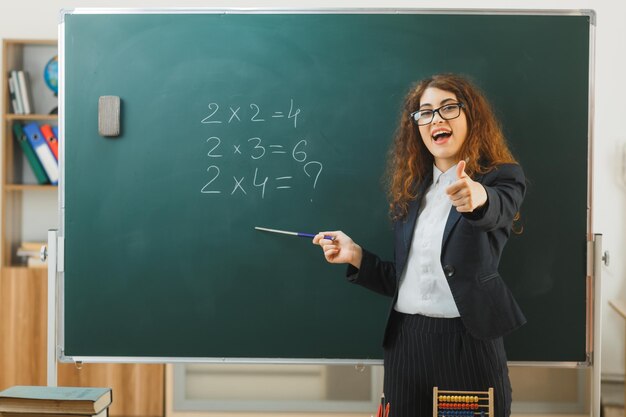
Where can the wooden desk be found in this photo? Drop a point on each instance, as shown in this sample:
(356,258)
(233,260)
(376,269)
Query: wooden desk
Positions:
(620,307)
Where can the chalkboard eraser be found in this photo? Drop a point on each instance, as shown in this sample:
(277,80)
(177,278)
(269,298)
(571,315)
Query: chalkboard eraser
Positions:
(109,116)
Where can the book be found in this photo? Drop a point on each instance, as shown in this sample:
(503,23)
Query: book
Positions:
(51,140)
(25,253)
(34,246)
(103,413)
(18,92)
(29,153)
(32,262)
(12,89)
(24,86)
(55,400)
(43,152)
(25,250)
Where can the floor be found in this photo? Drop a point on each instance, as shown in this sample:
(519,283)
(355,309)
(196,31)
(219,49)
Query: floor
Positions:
(608,411)
(613,411)
(612,399)
(561,414)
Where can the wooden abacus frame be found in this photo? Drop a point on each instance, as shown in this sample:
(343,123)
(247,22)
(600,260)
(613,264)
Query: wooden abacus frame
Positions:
(482,399)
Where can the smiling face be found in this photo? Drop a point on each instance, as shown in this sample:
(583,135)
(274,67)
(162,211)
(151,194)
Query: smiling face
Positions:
(443,138)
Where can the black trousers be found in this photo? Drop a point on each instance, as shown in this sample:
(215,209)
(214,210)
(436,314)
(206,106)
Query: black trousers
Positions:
(424,352)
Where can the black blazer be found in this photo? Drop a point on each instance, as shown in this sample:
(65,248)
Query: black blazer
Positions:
(470,254)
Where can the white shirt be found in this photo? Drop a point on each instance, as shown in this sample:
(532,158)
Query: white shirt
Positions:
(424,288)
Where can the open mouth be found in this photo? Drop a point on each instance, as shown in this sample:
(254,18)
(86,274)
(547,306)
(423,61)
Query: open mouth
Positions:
(441,135)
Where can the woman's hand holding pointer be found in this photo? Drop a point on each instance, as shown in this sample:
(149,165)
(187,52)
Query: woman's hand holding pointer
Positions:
(466,195)
(341,249)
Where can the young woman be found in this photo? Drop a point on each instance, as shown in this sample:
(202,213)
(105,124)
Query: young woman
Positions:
(454,190)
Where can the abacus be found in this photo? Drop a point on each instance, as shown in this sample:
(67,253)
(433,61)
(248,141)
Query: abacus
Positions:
(462,403)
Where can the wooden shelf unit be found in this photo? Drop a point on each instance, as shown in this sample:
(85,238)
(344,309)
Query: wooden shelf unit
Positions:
(17,181)
(31,117)
(26,187)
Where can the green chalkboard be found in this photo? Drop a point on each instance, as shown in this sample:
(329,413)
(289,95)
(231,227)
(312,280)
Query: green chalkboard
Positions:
(236,120)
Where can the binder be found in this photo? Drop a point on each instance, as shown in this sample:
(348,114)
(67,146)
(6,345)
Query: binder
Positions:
(32,159)
(51,140)
(43,152)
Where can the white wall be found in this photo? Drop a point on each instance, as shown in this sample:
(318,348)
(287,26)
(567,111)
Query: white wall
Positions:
(38,19)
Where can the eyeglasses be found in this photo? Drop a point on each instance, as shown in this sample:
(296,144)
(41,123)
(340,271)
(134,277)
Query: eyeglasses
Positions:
(447,112)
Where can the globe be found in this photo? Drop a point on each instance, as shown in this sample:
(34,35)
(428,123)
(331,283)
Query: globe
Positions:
(51,74)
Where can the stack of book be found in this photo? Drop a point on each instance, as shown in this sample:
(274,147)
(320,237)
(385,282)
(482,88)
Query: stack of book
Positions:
(30,254)
(19,90)
(33,401)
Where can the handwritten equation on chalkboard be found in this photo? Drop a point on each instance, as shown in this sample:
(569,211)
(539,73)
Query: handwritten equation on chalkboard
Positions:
(280,149)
